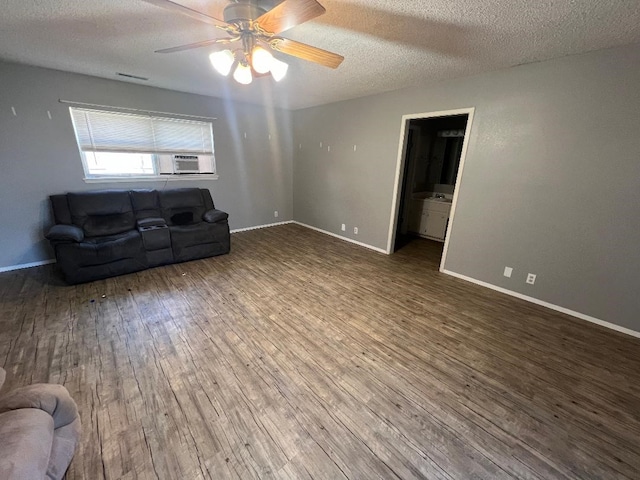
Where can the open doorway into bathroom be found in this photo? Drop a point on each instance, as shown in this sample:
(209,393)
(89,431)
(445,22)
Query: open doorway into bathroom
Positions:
(431,158)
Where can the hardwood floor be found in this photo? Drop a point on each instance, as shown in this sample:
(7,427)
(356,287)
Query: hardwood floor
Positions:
(302,356)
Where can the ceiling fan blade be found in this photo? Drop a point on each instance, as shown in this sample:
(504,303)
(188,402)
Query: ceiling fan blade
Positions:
(306,52)
(219,43)
(289,14)
(189,12)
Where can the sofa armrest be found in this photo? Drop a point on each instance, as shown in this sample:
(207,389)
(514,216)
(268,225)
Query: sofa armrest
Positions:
(52,399)
(214,216)
(68,233)
(151,222)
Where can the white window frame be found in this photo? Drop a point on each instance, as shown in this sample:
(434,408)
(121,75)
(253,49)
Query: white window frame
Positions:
(154,150)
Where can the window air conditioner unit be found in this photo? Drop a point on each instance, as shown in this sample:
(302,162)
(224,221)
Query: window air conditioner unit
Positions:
(186,164)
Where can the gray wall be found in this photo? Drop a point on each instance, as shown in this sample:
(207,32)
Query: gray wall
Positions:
(551,183)
(39,156)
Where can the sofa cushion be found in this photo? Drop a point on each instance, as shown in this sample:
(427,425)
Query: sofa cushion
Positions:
(102,213)
(197,241)
(60,206)
(206,196)
(146,203)
(26,437)
(107,249)
(182,201)
(189,235)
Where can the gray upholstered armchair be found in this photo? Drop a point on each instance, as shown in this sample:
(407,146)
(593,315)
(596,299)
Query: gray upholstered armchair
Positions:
(39,432)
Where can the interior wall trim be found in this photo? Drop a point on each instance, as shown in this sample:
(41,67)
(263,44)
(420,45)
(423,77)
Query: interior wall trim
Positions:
(346,239)
(9,268)
(256,227)
(542,303)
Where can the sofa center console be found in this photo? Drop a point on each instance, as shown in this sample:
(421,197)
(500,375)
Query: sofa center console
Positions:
(156,240)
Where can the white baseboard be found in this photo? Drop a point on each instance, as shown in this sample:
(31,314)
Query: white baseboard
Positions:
(542,303)
(27,265)
(371,247)
(238,230)
(350,240)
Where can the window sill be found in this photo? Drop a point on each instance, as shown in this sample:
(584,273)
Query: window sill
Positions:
(152,178)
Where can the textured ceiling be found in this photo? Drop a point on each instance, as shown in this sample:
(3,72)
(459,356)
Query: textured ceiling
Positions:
(387,45)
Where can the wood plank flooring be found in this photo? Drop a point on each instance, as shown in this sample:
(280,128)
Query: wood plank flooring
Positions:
(299,356)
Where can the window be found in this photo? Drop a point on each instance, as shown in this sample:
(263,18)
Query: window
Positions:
(114,163)
(123,145)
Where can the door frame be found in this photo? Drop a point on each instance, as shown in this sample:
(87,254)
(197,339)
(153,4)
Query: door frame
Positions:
(397,188)
(407,175)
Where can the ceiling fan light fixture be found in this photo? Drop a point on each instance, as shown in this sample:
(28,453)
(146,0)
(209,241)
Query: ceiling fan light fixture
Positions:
(278,69)
(222,61)
(255,26)
(261,60)
(242,74)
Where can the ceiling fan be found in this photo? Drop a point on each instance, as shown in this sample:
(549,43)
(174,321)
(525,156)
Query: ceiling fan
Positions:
(252,30)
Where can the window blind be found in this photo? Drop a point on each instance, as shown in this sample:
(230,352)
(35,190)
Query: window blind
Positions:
(103,131)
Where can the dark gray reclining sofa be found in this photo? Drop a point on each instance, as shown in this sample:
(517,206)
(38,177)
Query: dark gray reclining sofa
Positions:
(105,233)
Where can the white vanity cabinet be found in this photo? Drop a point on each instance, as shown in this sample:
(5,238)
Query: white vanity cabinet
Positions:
(429,218)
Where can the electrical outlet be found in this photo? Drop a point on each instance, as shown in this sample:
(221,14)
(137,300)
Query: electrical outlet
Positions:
(275,214)
(344,227)
(355,230)
(508,271)
(531,278)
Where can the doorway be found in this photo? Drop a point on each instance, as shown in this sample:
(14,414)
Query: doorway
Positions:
(431,156)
